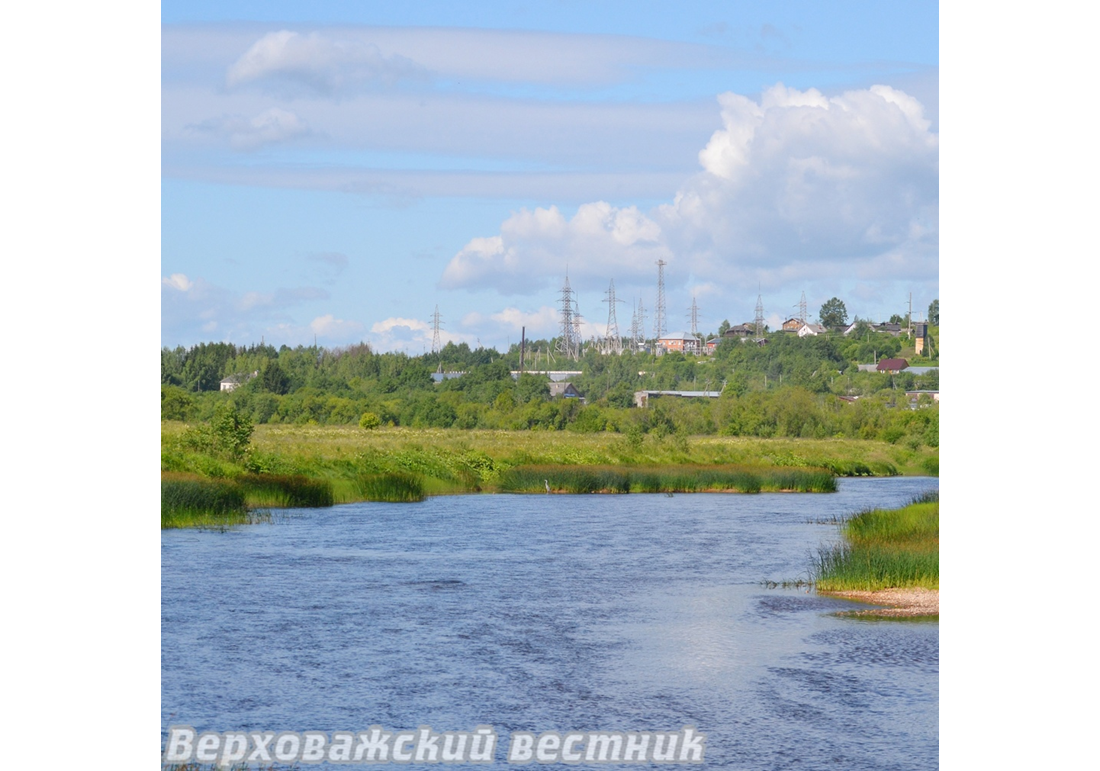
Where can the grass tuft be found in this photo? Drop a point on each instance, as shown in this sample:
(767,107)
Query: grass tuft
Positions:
(213,503)
(395,487)
(291,491)
(663,479)
(885,549)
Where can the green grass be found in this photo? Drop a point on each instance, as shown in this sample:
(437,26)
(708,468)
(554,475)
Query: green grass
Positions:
(201,503)
(395,488)
(277,491)
(885,549)
(292,466)
(463,457)
(191,501)
(662,479)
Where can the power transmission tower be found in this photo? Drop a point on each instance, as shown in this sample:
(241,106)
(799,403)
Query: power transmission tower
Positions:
(802,309)
(694,316)
(437,322)
(569,343)
(758,322)
(612,342)
(659,317)
(637,328)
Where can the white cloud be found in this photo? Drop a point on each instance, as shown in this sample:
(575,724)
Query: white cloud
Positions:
(395,322)
(272,126)
(329,327)
(466,54)
(795,185)
(598,241)
(177,281)
(412,335)
(195,309)
(544,321)
(318,63)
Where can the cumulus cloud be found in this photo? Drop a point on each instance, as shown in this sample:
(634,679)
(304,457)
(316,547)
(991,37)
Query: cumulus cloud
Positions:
(795,184)
(599,240)
(317,63)
(412,335)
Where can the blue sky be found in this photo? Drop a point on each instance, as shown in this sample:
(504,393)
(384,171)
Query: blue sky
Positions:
(334,171)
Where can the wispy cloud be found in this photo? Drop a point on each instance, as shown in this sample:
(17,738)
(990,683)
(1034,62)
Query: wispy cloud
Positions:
(328,64)
(272,126)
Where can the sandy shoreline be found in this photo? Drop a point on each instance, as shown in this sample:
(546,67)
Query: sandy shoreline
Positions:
(901,603)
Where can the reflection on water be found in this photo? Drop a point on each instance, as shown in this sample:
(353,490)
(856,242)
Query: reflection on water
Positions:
(538,613)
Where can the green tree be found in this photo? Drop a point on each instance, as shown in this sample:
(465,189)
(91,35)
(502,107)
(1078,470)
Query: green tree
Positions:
(175,403)
(232,431)
(370,421)
(934,312)
(273,378)
(833,313)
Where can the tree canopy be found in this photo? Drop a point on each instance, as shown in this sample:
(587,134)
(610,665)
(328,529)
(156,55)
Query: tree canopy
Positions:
(833,313)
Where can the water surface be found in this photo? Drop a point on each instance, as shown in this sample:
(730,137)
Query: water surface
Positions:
(551,612)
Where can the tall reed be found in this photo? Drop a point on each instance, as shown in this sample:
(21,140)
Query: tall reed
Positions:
(663,479)
(201,503)
(394,487)
(290,491)
(885,549)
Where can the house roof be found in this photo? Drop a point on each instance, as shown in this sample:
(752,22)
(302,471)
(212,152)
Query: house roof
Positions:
(889,364)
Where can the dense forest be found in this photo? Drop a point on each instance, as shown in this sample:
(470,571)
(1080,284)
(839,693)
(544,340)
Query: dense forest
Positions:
(801,387)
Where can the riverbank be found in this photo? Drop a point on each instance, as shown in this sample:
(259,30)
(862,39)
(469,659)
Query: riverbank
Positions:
(913,602)
(888,557)
(403,465)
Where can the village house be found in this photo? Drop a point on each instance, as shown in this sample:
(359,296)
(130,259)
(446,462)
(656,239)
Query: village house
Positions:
(891,366)
(564,390)
(679,342)
(234,382)
(740,331)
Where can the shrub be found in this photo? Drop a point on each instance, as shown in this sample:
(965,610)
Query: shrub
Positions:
(369,421)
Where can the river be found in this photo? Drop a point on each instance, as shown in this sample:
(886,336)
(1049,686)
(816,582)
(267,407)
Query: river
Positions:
(551,612)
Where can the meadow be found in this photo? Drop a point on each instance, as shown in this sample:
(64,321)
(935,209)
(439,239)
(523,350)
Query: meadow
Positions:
(301,465)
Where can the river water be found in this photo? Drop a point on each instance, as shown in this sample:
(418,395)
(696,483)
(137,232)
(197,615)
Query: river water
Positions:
(551,612)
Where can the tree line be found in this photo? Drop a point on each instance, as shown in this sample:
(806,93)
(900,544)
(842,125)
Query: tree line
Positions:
(789,387)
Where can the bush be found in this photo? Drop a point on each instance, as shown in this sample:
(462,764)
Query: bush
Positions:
(369,421)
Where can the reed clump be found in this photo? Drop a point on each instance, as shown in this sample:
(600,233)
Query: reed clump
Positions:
(394,487)
(885,549)
(663,479)
(188,502)
(285,491)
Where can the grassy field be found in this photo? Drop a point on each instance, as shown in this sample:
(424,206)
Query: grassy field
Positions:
(322,465)
(307,447)
(885,549)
